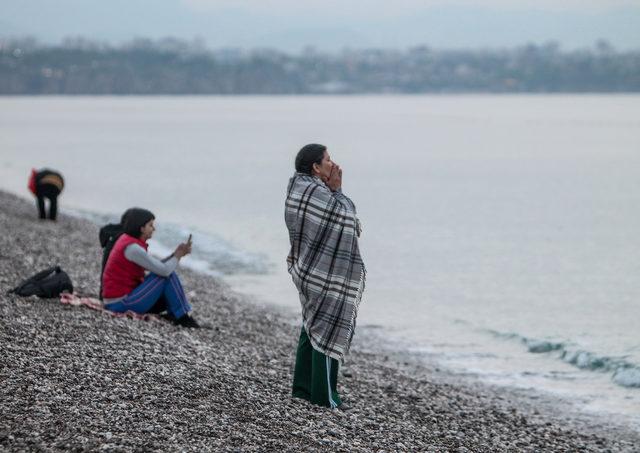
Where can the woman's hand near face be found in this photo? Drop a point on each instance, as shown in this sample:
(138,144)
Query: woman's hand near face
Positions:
(335,178)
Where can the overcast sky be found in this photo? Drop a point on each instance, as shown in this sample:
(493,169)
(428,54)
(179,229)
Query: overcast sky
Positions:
(331,24)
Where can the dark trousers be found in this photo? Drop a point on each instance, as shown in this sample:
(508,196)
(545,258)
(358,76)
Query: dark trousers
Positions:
(315,377)
(50,192)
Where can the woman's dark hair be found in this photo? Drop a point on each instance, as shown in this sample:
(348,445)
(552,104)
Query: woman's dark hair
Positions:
(125,214)
(135,219)
(309,155)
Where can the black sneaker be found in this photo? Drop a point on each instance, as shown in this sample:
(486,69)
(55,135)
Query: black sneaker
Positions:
(168,317)
(187,321)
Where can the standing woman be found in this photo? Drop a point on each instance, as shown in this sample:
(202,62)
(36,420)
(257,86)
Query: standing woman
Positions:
(327,270)
(124,285)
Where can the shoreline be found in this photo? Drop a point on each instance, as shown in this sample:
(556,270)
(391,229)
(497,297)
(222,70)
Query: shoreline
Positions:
(76,378)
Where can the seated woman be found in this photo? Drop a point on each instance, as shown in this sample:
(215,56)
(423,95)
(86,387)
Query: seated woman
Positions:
(124,285)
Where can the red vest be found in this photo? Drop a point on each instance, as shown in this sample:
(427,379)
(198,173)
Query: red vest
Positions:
(121,276)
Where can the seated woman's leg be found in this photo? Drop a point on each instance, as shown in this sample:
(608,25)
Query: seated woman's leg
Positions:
(160,305)
(177,302)
(143,298)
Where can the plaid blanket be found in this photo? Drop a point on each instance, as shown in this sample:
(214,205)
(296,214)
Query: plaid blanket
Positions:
(324,262)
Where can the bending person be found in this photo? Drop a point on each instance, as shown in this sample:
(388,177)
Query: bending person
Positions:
(48,184)
(124,285)
(327,270)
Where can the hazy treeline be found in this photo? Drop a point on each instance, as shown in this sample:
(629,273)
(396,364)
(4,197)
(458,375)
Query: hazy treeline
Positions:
(172,66)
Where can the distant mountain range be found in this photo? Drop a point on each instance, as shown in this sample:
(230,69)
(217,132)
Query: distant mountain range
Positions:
(173,67)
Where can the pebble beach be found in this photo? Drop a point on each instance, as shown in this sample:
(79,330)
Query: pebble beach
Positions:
(77,379)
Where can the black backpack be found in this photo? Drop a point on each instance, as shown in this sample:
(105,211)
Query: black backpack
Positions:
(109,234)
(47,284)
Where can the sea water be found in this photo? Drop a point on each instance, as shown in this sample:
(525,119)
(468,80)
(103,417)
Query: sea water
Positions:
(501,233)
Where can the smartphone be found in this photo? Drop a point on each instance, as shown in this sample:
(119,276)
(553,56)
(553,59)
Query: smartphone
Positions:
(189,240)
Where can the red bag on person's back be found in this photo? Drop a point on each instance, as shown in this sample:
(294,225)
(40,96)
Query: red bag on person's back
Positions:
(32,181)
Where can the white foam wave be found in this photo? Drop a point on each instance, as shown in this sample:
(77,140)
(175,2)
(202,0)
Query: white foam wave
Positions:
(622,372)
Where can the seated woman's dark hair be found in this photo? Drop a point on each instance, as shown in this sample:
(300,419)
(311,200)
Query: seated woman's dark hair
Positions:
(135,219)
(125,214)
(309,155)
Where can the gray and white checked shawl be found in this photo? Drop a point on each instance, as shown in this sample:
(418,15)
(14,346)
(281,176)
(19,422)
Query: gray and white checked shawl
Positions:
(324,262)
